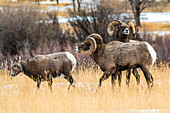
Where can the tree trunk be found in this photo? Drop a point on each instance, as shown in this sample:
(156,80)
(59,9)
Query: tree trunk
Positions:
(57,1)
(137,19)
(79,5)
(37,1)
(74,6)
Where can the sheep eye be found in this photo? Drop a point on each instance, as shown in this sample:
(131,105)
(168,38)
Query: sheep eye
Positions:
(15,66)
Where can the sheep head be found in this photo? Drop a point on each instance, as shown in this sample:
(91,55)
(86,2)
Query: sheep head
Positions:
(16,66)
(122,29)
(90,45)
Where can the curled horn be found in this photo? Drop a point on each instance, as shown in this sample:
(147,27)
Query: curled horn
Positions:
(98,38)
(110,28)
(92,43)
(132,27)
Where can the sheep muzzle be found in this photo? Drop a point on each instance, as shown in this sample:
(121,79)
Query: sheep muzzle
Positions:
(76,50)
(126,31)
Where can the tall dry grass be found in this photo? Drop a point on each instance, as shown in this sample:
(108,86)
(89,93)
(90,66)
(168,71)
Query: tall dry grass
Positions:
(17,95)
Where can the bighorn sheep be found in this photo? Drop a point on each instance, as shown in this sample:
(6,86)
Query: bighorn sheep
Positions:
(122,32)
(118,55)
(46,67)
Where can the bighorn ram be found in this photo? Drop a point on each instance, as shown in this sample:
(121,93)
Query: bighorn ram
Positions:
(46,67)
(118,55)
(122,32)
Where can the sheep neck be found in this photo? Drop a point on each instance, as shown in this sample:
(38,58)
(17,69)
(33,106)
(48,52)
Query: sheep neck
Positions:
(27,70)
(123,39)
(96,55)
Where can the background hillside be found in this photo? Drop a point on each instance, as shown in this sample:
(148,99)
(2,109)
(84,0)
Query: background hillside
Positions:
(31,27)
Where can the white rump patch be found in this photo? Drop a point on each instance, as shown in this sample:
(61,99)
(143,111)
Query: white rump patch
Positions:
(152,52)
(61,76)
(73,60)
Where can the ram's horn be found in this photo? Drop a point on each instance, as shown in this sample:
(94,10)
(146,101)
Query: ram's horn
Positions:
(110,28)
(98,38)
(92,44)
(132,27)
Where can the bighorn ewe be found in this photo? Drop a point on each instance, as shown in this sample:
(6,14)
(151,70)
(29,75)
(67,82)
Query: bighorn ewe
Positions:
(118,55)
(122,32)
(46,67)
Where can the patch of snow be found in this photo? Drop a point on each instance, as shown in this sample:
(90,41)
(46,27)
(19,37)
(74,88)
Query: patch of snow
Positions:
(67,1)
(155,17)
(48,2)
(58,8)
(8,86)
(158,33)
(14,0)
(63,20)
(1,8)
(145,111)
(148,17)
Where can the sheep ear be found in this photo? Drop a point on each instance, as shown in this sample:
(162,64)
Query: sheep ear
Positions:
(15,58)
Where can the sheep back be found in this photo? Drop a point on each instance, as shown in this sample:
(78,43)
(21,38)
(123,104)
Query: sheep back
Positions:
(126,54)
(54,64)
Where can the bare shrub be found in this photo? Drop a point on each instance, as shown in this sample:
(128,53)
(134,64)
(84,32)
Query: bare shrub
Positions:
(162,46)
(95,20)
(24,27)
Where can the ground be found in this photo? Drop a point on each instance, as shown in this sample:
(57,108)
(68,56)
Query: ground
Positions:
(18,94)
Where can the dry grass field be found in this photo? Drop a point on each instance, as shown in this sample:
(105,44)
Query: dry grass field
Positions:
(157,26)
(17,95)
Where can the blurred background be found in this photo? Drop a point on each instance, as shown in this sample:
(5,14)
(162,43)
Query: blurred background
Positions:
(32,27)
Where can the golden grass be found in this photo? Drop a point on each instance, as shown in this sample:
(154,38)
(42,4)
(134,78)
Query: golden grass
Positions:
(18,94)
(151,26)
(55,4)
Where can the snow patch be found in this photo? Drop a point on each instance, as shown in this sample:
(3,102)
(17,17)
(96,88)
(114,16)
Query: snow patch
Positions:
(145,111)
(14,0)
(61,76)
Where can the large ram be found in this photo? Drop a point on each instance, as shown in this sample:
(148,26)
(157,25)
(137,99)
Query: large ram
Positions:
(122,31)
(118,55)
(46,67)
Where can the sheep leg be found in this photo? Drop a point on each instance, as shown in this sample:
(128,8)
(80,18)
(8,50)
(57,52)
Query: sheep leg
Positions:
(113,78)
(148,77)
(137,76)
(38,83)
(128,76)
(114,75)
(50,81)
(104,77)
(151,79)
(119,77)
(71,80)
